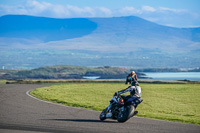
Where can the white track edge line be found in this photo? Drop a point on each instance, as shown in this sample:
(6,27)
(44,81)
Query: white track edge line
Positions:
(28,93)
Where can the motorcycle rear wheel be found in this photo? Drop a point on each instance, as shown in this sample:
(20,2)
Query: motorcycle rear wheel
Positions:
(126,114)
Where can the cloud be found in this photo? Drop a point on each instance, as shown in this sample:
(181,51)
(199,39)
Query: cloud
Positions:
(148,9)
(128,11)
(171,10)
(161,15)
(35,8)
(105,11)
(164,15)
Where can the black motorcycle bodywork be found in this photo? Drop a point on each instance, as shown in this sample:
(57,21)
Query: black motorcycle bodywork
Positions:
(121,108)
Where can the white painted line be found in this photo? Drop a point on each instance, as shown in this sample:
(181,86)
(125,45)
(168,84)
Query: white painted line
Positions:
(28,93)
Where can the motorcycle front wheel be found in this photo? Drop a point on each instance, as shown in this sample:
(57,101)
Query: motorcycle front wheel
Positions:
(102,116)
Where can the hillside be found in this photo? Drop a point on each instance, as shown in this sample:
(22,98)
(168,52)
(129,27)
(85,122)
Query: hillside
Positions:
(44,29)
(117,41)
(67,72)
(127,34)
(120,34)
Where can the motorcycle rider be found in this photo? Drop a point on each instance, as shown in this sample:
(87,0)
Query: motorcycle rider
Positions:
(135,92)
(133,88)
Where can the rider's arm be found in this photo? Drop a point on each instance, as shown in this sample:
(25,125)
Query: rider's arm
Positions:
(136,77)
(125,90)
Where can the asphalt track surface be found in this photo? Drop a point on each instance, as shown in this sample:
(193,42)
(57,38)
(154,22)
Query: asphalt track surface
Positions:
(20,113)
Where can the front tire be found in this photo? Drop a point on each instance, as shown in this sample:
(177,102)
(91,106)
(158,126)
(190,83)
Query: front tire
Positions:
(102,116)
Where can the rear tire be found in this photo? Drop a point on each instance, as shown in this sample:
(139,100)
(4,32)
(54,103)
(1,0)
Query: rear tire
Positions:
(126,114)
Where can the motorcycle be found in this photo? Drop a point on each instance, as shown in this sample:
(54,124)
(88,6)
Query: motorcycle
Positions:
(122,107)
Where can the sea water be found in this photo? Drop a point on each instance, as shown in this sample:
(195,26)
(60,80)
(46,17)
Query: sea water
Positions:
(195,76)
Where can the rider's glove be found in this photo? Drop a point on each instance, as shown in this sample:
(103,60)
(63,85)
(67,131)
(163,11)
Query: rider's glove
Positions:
(116,94)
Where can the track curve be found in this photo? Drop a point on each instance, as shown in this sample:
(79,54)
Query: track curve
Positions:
(22,113)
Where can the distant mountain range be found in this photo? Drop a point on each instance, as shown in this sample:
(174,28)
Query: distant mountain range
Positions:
(118,41)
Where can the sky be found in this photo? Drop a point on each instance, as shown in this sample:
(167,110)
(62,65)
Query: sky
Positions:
(175,13)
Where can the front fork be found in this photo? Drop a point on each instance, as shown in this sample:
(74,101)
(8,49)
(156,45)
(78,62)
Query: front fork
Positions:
(109,111)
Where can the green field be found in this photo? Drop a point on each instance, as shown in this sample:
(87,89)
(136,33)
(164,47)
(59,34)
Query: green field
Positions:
(172,102)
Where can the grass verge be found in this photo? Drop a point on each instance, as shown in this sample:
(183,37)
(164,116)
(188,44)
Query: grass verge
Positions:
(6,81)
(172,102)
(2,81)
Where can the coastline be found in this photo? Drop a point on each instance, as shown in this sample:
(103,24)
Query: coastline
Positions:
(52,81)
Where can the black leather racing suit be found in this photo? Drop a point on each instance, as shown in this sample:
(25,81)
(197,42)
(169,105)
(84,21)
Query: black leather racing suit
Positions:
(132,89)
(133,93)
